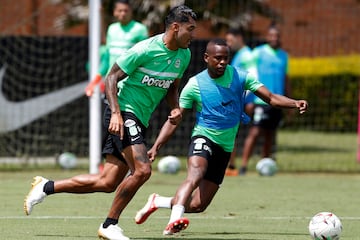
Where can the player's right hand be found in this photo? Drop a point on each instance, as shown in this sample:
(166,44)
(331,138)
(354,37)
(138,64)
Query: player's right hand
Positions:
(116,125)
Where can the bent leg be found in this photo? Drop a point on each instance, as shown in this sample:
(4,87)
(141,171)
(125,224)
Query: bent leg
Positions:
(250,140)
(106,181)
(137,159)
(202,197)
(197,166)
(196,170)
(269,137)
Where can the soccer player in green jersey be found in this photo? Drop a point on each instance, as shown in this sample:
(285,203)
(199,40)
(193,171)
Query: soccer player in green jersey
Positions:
(135,85)
(217,93)
(124,33)
(243,59)
(272,68)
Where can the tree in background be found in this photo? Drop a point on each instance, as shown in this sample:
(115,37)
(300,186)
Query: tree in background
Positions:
(220,14)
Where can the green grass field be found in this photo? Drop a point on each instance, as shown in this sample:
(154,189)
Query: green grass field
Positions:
(307,151)
(245,208)
(318,172)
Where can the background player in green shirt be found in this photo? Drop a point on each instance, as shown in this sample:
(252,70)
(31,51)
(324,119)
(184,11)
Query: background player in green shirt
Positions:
(243,59)
(272,69)
(135,85)
(120,36)
(124,33)
(217,93)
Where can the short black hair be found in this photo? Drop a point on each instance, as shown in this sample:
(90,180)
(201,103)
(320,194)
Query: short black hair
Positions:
(218,41)
(237,32)
(127,2)
(179,14)
(274,25)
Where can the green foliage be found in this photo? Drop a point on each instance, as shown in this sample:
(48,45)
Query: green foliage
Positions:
(220,14)
(297,151)
(333,101)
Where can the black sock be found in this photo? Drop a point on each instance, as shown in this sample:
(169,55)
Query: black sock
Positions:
(242,170)
(110,221)
(231,166)
(49,188)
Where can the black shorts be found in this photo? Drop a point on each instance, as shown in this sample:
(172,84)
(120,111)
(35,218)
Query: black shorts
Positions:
(217,158)
(267,117)
(134,133)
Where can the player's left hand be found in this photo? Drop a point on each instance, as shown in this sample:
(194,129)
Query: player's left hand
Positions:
(152,152)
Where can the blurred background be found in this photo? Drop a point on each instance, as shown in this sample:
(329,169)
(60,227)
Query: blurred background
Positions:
(44,47)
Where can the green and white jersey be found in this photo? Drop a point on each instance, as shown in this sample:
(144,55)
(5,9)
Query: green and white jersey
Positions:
(190,95)
(119,38)
(151,68)
(244,59)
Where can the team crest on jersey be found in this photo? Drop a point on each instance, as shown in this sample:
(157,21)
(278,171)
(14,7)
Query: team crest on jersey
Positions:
(177,63)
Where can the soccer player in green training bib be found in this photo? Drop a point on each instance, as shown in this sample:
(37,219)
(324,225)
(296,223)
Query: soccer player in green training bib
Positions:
(272,68)
(135,85)
(218,95)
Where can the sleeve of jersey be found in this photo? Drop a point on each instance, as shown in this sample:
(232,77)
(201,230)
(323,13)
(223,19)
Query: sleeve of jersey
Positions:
(252,83)
(144,33)
(286,63)
(249,61)
(132,58)
(141,32)
(255,55)
(186,99)
(236,61)
(108,35)
(104,60)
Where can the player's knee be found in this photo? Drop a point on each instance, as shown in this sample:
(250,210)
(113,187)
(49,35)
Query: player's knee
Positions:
(109,186)
(197,207)
(143,173)
(193,180)
(106,183)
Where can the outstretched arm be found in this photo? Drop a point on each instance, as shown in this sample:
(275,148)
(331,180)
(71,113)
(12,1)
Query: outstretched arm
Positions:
(281,101)
(166,132)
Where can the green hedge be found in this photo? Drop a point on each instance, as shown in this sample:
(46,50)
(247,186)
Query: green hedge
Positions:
(333,102)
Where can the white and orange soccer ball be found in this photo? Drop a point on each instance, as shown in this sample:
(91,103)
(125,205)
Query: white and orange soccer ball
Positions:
(325,226)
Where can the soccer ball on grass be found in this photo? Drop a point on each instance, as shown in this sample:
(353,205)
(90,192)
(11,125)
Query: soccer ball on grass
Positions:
(266,167)
(67,160)
(169,165)
(325,226)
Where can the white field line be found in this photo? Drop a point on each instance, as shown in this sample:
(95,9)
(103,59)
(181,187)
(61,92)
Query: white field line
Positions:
(154,217)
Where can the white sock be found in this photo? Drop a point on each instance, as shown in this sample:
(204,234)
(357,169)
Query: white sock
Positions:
(162,202)
(176,212)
